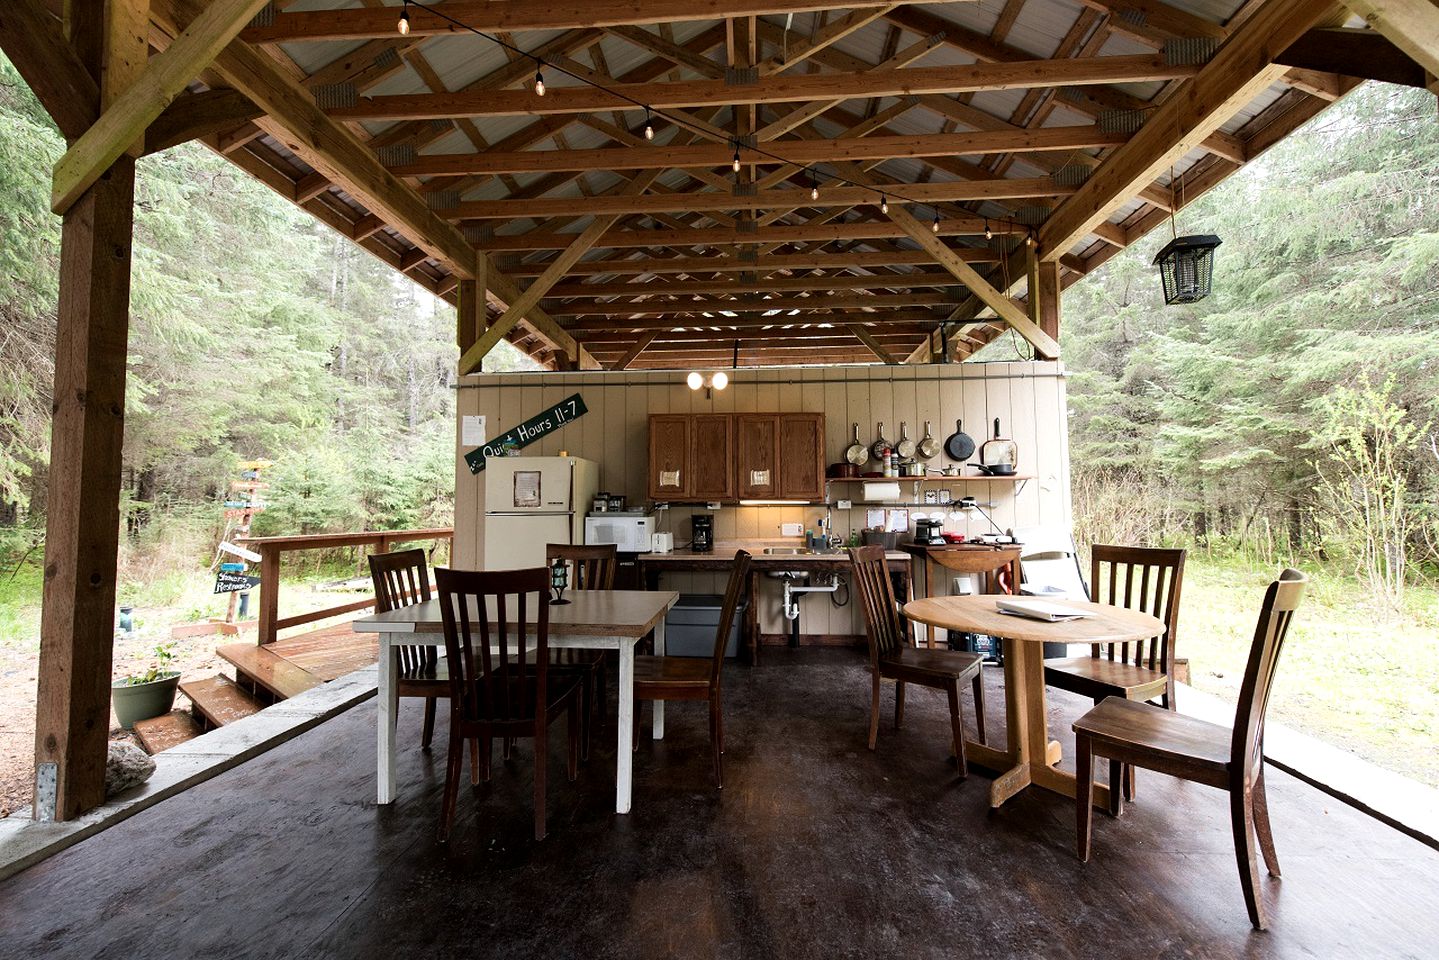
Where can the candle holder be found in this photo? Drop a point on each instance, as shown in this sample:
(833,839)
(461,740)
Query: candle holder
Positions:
(559,579)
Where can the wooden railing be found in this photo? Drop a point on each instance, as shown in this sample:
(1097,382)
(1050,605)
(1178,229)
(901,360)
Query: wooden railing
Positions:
(270,550)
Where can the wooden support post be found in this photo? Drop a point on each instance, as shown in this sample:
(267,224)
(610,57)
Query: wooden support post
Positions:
(269,614)
(1050,293)
(82,528)
(1031,272)
(469,313)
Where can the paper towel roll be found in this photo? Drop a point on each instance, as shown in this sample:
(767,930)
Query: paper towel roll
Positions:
(881,492)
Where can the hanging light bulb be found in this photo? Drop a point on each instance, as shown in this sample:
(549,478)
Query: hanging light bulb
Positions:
(539,82)
(883,203)
(404,25)
(1029,239)
(736,160)
(935,226)
(813,187)
(694,380)
(649,125)
(988,233)
(720,380)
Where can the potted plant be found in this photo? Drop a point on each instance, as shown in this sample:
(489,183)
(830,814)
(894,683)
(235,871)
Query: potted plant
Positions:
(149,694)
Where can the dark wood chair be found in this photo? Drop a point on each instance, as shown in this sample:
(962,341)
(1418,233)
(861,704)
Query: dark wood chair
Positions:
(1140,578)
(892,656)
(1143,735)
(695,678)
(591,568)
(400,579)
(499,687)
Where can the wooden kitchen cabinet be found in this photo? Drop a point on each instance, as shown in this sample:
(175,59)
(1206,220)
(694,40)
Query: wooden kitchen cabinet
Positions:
(670,456)
(801,444)
(712,457)
(757,462)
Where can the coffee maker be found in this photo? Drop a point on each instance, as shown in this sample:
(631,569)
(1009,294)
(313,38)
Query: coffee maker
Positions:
(928,531)
(702,533)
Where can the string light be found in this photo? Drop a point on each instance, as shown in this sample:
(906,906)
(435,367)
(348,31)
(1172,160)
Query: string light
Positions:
(649,125)
(539,81)
(404,25)
(1029,238)
(988,233)
(736,159)
(935,226)
(813,187)
(883,203)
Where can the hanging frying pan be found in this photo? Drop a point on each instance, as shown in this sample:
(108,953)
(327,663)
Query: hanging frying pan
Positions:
(959,446)
(905,447)
(999,456)
(928,447)
(857,453)
(880,445)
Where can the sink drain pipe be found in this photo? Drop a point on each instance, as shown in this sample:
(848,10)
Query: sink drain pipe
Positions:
(792,596)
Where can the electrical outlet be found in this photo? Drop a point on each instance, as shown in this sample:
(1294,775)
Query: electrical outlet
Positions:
(791,529)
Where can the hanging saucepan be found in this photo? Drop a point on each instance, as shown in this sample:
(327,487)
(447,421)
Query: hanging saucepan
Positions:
(880,445)
(959,446)
(928,447)
(856,453)
(999,457)
(905,447)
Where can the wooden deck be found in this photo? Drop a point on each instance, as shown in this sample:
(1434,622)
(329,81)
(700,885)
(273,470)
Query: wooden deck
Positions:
(815,848)
(329,652)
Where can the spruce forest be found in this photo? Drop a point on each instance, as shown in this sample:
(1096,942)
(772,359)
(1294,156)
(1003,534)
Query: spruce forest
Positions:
(1290,418)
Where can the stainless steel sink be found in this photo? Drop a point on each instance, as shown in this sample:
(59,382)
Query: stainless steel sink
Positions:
(786,551)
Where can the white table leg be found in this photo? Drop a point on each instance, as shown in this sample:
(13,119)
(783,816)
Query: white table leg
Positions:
(624,750)
(659,705)
(389,668)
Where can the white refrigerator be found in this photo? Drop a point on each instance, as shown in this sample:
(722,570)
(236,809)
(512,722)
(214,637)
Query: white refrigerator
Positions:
(531,502)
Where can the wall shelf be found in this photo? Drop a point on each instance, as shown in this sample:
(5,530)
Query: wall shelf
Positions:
(963,478)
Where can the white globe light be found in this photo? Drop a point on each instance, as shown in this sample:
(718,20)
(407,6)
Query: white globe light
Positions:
(720,380)
(695,380)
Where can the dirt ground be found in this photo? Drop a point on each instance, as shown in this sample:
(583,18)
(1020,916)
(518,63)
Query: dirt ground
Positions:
(195,658)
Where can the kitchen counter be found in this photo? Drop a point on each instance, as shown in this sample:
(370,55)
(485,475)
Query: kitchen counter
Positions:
(653,564)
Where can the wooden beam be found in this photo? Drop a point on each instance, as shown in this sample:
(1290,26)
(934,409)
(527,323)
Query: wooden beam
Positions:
(877,281)
(1412,25)
(164,77)
(875,347)
(969,78)
(720,306)
(751,321)
(728,236)
(790,199)
(36,45)
(1367,54)
(633,352)
(496,16)
(195,115)
(1050,292)
(801,152)
(82,515)
(772,263)
(1239,72)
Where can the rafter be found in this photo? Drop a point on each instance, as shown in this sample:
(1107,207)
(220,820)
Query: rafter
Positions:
(729,236)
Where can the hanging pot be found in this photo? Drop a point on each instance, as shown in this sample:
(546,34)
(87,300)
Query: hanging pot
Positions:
(856,453)
(905,447)
(880,445)
(928,447)
(999,453)
(959,446)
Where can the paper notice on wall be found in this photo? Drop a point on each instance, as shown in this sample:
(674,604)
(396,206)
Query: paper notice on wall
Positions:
(472,431)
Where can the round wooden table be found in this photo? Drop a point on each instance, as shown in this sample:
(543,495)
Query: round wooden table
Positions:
(1030,757)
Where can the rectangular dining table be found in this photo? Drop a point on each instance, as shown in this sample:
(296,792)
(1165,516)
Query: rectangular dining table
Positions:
(592,620)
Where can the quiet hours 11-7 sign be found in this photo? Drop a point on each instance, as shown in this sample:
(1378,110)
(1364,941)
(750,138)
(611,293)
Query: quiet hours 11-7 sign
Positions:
(528,432)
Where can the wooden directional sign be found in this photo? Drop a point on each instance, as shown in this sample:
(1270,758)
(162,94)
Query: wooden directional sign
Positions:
(528,432)
(234,582)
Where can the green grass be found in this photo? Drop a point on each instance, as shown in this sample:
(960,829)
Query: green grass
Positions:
(1352,673)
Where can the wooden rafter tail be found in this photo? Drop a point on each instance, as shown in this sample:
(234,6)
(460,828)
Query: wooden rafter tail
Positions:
(36,45)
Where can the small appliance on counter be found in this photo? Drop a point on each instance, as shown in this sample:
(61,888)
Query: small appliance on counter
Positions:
(929,531)
(702,533)
(630,532)
(662,542)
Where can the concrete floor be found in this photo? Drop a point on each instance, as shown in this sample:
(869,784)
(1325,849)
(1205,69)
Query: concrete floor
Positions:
(815,848)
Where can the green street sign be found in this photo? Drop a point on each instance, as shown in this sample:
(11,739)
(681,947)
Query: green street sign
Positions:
(541,424)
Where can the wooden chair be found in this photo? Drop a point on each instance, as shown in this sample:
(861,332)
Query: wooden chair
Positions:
(1130,732)
(692,678)
(591,568)
(892,656)
(496,689)
(1140,578)
(400,579)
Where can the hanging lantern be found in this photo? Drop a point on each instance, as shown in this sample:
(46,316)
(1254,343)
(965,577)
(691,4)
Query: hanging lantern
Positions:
(1185,266)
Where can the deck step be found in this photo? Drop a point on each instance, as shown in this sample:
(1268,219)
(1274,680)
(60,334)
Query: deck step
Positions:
(277,675)
(166,731)
(219,700)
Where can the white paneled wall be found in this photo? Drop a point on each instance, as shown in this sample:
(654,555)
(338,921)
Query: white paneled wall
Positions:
(1028,399)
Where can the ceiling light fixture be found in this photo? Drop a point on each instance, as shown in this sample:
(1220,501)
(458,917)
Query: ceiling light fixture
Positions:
(883,203)
(988,233)
(539,81)
(736,159)
(711,382)
(649,125)
(404,25)
(935,226)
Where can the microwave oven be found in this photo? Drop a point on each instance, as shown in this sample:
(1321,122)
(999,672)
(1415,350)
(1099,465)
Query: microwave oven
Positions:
(629,533)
